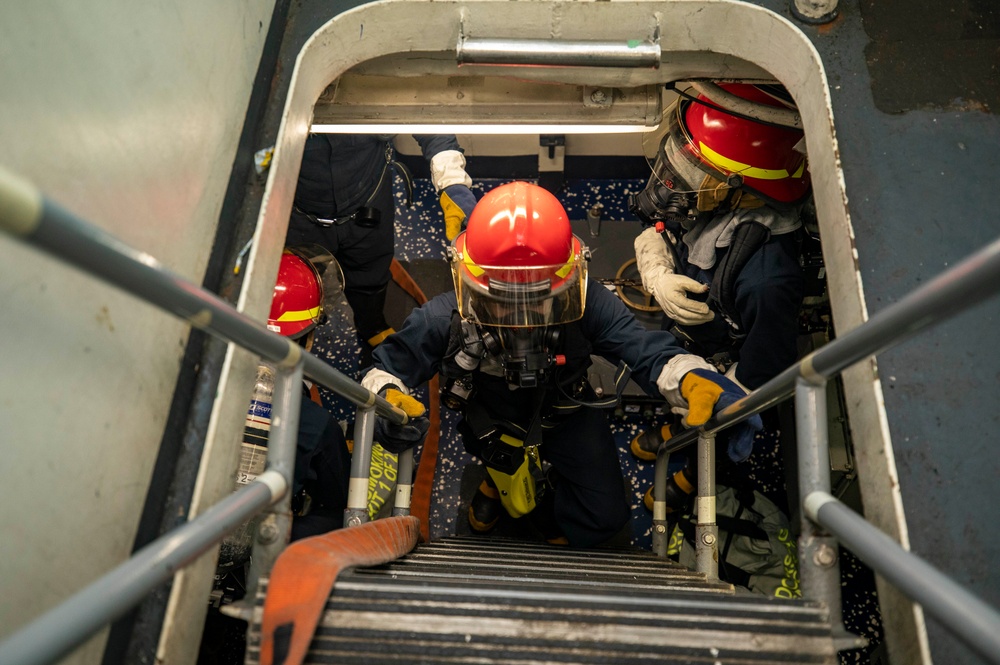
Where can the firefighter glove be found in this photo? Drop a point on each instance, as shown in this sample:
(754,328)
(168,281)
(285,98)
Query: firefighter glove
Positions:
(656,268)
(457,202)
(671,293)
(398,438)
(709,392)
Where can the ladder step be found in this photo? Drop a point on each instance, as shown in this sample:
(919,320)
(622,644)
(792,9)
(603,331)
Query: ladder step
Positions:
(530,580)
(477,600)
(536,601)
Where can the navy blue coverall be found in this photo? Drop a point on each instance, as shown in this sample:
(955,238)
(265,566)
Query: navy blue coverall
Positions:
(768,295)
(590,504)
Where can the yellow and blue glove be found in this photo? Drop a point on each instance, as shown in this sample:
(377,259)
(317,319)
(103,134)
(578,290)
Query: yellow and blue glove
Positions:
(457,201)
(709,392)
(398,438)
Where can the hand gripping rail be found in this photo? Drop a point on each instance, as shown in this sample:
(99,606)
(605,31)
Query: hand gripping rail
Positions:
(967,284)
(27,215)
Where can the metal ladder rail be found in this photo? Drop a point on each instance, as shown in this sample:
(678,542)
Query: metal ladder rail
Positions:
(967,284)
(29,216)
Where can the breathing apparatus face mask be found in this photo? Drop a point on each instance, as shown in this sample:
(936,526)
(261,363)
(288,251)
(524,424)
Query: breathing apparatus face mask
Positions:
(519,310)
(526,354)
(682,181)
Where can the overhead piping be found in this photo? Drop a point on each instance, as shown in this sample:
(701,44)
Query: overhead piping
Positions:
(785,117)
(556,53)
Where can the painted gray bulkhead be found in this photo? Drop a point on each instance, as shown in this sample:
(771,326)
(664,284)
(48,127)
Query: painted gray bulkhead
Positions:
(135,124)
(916,96)
(129,115)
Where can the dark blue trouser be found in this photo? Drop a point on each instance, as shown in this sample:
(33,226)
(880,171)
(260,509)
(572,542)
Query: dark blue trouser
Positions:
(364,254)
(590,502)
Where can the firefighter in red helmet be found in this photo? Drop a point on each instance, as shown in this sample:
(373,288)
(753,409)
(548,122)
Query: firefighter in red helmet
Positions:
(512,343)
(309,288)
(720,251)
(727,189)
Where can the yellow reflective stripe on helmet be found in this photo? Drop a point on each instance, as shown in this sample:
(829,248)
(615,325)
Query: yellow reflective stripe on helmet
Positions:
(476,271)
(732,166)
(300,315)
(471,265)
(568,267)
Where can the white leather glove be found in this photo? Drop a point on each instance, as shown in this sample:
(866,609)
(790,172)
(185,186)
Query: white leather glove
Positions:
(452,183)
(656,268)
(377,380)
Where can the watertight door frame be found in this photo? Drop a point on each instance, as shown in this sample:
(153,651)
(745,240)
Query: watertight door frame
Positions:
(698,38)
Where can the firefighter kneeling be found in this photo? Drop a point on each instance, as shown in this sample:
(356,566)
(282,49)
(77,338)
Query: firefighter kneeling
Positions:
(513,342)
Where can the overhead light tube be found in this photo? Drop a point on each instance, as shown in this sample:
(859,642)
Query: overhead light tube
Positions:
(477,129)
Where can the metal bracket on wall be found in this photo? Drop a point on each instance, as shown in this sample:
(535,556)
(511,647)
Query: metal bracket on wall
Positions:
(551,161)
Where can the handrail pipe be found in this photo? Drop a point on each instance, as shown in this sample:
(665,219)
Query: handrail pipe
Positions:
(57,632)
(959,288)
(960,611)
(33,218)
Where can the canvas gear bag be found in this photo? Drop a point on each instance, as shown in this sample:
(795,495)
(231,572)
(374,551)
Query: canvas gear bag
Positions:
(756,548)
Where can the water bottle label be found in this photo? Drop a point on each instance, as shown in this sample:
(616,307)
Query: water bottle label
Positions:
(253,454)
(252,461)
(259,411)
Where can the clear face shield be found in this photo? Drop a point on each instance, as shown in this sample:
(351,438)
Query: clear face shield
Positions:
(682,164)
(683,177)
(330,273)
(519,309)
(522,296)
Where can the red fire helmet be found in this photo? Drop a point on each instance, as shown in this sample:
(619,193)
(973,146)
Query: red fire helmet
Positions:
(297,304)
(705,139)
(518,262)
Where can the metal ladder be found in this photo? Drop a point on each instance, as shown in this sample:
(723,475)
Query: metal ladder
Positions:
(474,600)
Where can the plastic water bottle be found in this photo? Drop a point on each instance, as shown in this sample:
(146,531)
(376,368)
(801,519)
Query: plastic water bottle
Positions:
(235,548)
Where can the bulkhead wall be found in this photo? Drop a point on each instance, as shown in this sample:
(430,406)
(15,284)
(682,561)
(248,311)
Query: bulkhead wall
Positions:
(129,116)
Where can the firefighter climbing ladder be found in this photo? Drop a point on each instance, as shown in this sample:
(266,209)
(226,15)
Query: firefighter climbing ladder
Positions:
(612,588)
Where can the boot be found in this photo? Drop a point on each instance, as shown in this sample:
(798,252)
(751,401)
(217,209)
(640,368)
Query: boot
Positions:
(379,337)
(543,518)
(645,444)
(678,494)
(485,508)
(368,345)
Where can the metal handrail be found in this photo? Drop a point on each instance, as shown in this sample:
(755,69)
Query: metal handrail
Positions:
(965,285)
(560,53)
(961,287)
(27,215)
(56,633)
(966,615)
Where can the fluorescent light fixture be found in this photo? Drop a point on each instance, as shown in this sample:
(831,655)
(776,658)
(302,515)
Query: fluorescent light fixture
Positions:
(479,129)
